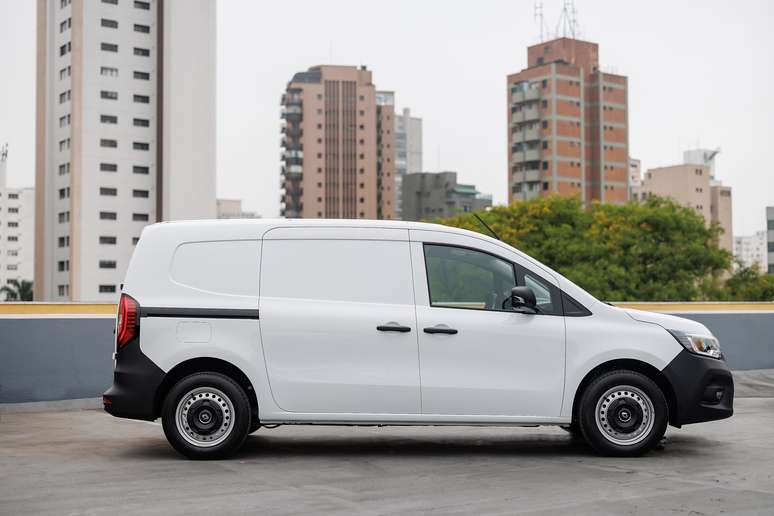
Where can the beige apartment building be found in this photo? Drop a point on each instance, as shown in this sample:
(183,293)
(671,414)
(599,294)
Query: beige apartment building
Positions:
(338,146)
(693,186)
(568,125)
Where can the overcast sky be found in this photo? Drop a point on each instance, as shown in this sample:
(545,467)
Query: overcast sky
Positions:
(700,73)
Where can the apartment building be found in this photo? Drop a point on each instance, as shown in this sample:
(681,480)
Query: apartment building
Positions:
(232,209)
(750,250)
(770,237)
(635,175)
(408,152)
(125,134)
(338,146)
(17,228)
(431,195)
(693,185)
(568,125)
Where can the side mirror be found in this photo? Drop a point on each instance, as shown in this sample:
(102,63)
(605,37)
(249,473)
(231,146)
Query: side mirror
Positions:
(523,300)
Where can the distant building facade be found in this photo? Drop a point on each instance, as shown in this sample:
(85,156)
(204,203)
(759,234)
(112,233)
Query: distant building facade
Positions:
(751,250)
(408,152)
(232,209)
(430,195)
(568,125)
(770,237)
(693,185)
(338,150)
(17,229)
(635,175)
(125,134)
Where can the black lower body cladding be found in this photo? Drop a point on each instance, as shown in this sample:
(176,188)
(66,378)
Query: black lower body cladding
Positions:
(136,380)
(703,387)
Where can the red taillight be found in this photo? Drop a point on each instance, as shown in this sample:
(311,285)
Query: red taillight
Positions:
(127,325)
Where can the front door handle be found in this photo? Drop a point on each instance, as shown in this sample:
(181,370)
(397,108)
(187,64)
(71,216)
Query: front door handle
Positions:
(392,326)
(441,329)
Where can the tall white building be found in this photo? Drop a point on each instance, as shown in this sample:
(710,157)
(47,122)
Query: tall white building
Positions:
(17,229)
(125,134)
(408,152)
(751,250)
(770,237)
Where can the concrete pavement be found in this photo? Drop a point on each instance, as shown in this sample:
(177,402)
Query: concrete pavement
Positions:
(86,462)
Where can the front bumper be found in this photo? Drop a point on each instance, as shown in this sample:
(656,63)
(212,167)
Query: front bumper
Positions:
(136,380)
(703,389)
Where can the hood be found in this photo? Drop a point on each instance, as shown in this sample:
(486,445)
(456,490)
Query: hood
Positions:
(668,322)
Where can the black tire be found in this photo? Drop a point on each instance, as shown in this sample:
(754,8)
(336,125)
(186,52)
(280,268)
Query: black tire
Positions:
(573,429)
(220,408)
(632,416)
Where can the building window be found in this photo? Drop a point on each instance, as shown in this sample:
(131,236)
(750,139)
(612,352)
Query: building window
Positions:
(64,3)
(64,121)
(64,168)
(142,5)
(108,119)
(108,95)
(143,76)
(13,238)
(545,124)
(108,215)
(138,169)
(135,240)
(109,47)
(65,25)
(111,192)
(108,71)
(107,264)
(545,165)
(142,99)
(110,24)
(64,73)
(143,194)
(141,52)
(140,146)
(64,97)
(64,144)
(108,167)
(63,216)
(141,122)
(145,29)
(63,241)
(13,224)
(65,49)
(63,265)
(140,217)
(108,240)
(111,144)
(107,289)
(64,193)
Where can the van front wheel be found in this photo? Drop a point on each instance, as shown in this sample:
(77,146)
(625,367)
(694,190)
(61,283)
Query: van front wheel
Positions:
(206,416)
(623,413)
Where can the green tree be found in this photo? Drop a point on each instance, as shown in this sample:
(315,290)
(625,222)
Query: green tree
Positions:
(17,290)
(656,250)
(748,284)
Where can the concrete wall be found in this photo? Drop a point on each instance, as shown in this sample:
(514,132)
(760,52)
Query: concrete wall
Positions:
(57,353)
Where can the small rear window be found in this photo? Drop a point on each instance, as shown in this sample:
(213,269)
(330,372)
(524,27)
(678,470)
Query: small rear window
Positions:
(227,267)
(572,308)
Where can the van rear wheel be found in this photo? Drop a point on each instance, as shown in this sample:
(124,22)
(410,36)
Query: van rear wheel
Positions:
(623,413)
(206,416)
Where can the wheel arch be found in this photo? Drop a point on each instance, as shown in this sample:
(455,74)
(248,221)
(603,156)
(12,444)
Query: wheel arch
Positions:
(202,365)
(633,365)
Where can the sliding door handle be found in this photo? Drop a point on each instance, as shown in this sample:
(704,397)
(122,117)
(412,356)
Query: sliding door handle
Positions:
(441,329)
(391,326)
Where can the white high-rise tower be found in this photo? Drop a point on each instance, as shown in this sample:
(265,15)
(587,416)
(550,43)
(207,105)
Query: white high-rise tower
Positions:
(125,134)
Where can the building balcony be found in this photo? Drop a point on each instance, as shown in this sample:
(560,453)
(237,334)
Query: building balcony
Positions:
(525,96)
(291,131)
(292,171)
(525,155)
(291,113)
(526,115)
(525,176)
(526,135)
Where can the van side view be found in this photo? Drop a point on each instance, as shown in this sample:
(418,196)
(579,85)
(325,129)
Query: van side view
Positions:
(225,326)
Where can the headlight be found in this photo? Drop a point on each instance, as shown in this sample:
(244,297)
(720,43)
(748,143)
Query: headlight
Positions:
(699,344)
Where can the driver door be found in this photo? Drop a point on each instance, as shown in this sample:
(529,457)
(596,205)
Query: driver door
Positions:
(477,356)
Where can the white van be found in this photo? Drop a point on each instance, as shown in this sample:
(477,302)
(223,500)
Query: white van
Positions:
(225,326)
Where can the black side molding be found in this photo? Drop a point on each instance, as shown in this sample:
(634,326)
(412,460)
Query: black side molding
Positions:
(201,313)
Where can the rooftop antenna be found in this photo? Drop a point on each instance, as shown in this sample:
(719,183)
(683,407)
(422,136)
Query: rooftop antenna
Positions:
(538,15)
(568,20)
(487,226)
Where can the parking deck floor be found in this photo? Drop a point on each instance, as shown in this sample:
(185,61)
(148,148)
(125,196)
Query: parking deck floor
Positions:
(86,462)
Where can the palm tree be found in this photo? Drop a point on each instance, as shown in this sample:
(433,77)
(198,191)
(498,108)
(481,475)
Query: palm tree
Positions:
(17,291)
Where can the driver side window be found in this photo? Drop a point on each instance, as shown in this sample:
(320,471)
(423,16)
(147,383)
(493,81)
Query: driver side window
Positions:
(463,278)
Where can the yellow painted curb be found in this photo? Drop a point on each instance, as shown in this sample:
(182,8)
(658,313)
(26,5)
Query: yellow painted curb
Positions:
(57,309)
